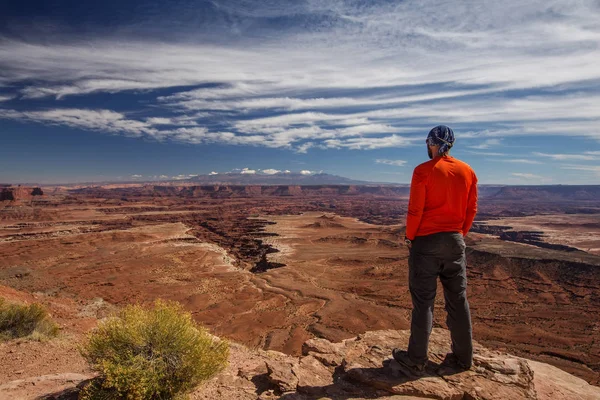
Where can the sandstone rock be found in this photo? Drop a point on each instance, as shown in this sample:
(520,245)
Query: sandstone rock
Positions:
(311,374)
(358,368)
(44,386)
(242,379)
(281,374)
(362,368)
(553,383)
(321,346)
(16,193)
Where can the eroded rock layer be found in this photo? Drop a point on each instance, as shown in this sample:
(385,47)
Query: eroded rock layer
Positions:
(272,272)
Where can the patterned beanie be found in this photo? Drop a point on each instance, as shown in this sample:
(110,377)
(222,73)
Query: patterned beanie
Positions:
(442,136)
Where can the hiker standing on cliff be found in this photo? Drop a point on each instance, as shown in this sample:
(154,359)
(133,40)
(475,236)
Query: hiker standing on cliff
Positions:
(441,209)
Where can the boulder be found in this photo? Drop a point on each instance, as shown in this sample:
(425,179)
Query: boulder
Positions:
(362,368)
(357,368)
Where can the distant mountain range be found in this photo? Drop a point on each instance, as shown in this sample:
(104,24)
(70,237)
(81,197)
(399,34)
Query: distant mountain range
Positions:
(227,178)
(290,184)
(280,178)
(324,180)
(542,193)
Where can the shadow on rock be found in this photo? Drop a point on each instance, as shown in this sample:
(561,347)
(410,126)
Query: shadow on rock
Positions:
(365,383)
(66,394)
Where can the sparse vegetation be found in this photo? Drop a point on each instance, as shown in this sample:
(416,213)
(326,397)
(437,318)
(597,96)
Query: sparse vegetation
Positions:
(23,320)
(156,353)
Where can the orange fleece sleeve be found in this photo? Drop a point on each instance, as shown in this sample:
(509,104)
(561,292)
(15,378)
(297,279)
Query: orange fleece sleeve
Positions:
(471,207)
(416,203)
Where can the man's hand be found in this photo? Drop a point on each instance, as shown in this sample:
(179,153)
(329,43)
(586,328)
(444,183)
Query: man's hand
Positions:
(408,242)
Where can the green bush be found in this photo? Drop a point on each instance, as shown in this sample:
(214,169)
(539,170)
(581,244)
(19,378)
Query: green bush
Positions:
(157,353)
(22,320)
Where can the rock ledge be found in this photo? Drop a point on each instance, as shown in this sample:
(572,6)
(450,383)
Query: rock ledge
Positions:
(358,368)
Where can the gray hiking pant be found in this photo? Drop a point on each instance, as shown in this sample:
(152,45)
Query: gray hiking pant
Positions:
(443,255)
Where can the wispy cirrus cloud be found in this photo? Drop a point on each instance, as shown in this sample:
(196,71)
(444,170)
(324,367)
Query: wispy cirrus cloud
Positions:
(521,161)
(566,157)
(104,120)
(588,168)
(489,143)
(370,143)
(353,36)
(487,153)
(342,75)
(397,163)
(529,178)
(303,148)
(527,175)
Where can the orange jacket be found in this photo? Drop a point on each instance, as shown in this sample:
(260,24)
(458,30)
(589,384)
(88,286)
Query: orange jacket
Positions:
(443,198)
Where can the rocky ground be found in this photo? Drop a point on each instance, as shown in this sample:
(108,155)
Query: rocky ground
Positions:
(273,272)
(355,368)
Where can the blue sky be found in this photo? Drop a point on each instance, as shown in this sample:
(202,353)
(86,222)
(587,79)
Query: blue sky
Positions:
(147,89)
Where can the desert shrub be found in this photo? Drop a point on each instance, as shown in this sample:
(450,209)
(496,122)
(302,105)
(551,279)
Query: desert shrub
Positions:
(22,320)
(155,353)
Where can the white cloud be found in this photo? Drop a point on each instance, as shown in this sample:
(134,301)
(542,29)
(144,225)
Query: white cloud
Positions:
(521,161)
(159,121)
(527,175)
(486,144)
(303,148)
(135,176)
(306,172)
(214,173)
(271,171)
(368,76)
(370,143)
(5,97)
(286,120)
(221,100)
(367,129)
(248,171)
(398,163)
(486,153)
(566,157)
(182,176)
(531,114)
(101,120)
(476,45)
(588,168)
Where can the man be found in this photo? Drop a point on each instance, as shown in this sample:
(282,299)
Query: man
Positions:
(441,209)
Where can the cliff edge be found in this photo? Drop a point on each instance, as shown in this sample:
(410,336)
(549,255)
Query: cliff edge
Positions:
(358,368)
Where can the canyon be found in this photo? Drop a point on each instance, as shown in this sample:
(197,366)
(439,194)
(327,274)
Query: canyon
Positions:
(272,267)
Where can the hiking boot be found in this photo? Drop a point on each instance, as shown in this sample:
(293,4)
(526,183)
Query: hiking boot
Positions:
(404,360)
(452,365)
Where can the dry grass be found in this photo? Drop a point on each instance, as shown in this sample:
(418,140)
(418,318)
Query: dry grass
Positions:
(25,321)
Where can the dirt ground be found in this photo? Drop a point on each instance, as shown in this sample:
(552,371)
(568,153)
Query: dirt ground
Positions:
(271,273)
(581,231)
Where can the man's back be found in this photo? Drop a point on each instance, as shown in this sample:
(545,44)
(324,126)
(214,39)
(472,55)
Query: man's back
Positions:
(442,206)
(443,198)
